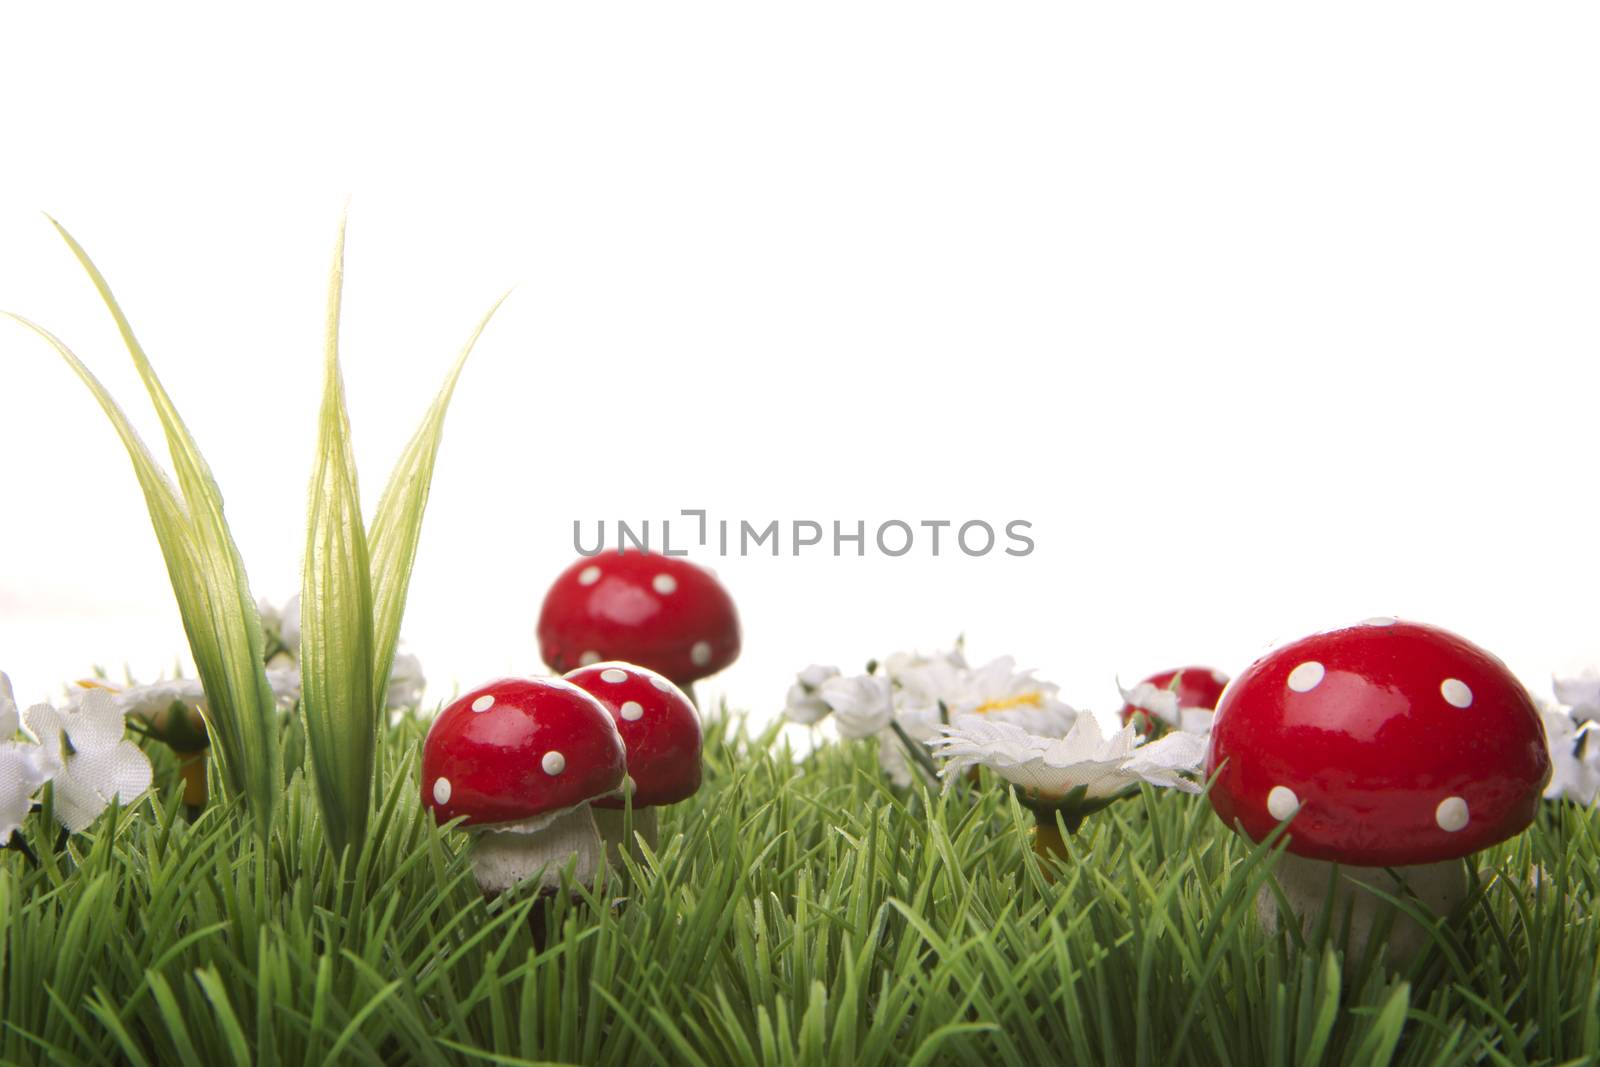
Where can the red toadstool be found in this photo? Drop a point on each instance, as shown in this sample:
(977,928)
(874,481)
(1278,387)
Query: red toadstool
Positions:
(1193,690)
(660,612)
(1396,749)
(521,758)
(661,730)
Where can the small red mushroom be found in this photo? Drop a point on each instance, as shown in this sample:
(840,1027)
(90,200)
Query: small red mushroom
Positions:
(660,612)
(661,730)
(1193,689)
(521,758)
(1395,748)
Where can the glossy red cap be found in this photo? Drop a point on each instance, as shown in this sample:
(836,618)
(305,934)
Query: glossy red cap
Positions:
(1198,687)
(517,748)
(1390,743)
(659,726)
(660,612)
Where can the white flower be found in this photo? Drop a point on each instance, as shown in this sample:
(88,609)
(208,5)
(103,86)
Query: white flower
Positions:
(804,703)
(96,764)
(861,705)
(23,766)
(147,700)
(1153,700)
(897,664)
(1052,767)
(406,681)
(999,692)
(284,625)
(923,686)
(1163,704)
(1581,694)
(1573,776)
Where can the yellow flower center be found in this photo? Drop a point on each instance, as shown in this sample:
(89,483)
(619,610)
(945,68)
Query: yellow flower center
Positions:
(1033,698)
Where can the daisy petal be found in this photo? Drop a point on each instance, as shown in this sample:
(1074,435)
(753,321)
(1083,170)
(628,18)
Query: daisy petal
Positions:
(10,721)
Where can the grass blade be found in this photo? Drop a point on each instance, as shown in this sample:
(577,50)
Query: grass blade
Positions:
(336,644)
(219,614)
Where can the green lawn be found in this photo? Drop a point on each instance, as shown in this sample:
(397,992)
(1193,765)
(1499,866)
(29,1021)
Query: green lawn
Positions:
(799,912)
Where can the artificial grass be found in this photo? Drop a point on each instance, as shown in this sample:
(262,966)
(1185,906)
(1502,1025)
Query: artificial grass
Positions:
(798,912)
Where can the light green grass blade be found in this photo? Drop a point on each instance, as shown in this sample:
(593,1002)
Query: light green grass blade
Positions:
(397,526)
(218,611)
(185,564)
(336,670)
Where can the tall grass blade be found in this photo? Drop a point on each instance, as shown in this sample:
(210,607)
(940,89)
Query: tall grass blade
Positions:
(213,601)
(219,614)
(336,634)
(397,526)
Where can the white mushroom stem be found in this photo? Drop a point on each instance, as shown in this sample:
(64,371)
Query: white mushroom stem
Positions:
(1438,887)
(538,849)
(612,824)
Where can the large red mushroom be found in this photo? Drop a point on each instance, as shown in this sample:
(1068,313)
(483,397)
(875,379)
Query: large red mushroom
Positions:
(661,730)
(1393,749)
(660,612)
(521,758)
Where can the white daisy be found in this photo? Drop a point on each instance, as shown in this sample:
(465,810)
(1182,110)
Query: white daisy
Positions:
(1051,768)
(804,703)
(406,682)
(1162,704)
(95,764)
(861,705)
(897,664)
(280,627)
(147,700)
(1574,758)
(1581,694)
(999,692)
(23,766)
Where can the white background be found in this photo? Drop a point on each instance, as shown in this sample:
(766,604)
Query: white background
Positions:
(1268,318)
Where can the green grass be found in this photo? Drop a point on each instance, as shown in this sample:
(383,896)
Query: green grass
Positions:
(798,912)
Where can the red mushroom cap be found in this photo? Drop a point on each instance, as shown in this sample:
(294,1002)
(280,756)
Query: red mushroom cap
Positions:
(1198,687)
(1390,743)
(661,612)
(658,725)
(517,748)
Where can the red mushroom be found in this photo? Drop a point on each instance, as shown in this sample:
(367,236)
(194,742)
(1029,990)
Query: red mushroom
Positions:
(1396,749)
(1193,689)
(521,758)
(660,612)
(662,734)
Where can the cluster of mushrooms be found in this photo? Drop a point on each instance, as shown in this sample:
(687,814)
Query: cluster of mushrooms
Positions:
(1391,749)
(545,773)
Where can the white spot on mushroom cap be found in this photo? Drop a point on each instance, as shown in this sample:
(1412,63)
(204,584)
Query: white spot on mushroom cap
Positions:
(1380,620)
(589,575)
(614,675)
(661,683)
(1452,814)
(1307,676)
(441,791)
(588,659)
(1456,693)
(1220,677)
(631,710)
(700,653)
(1282,803)
(665,584)
(553,762)
(483,703)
